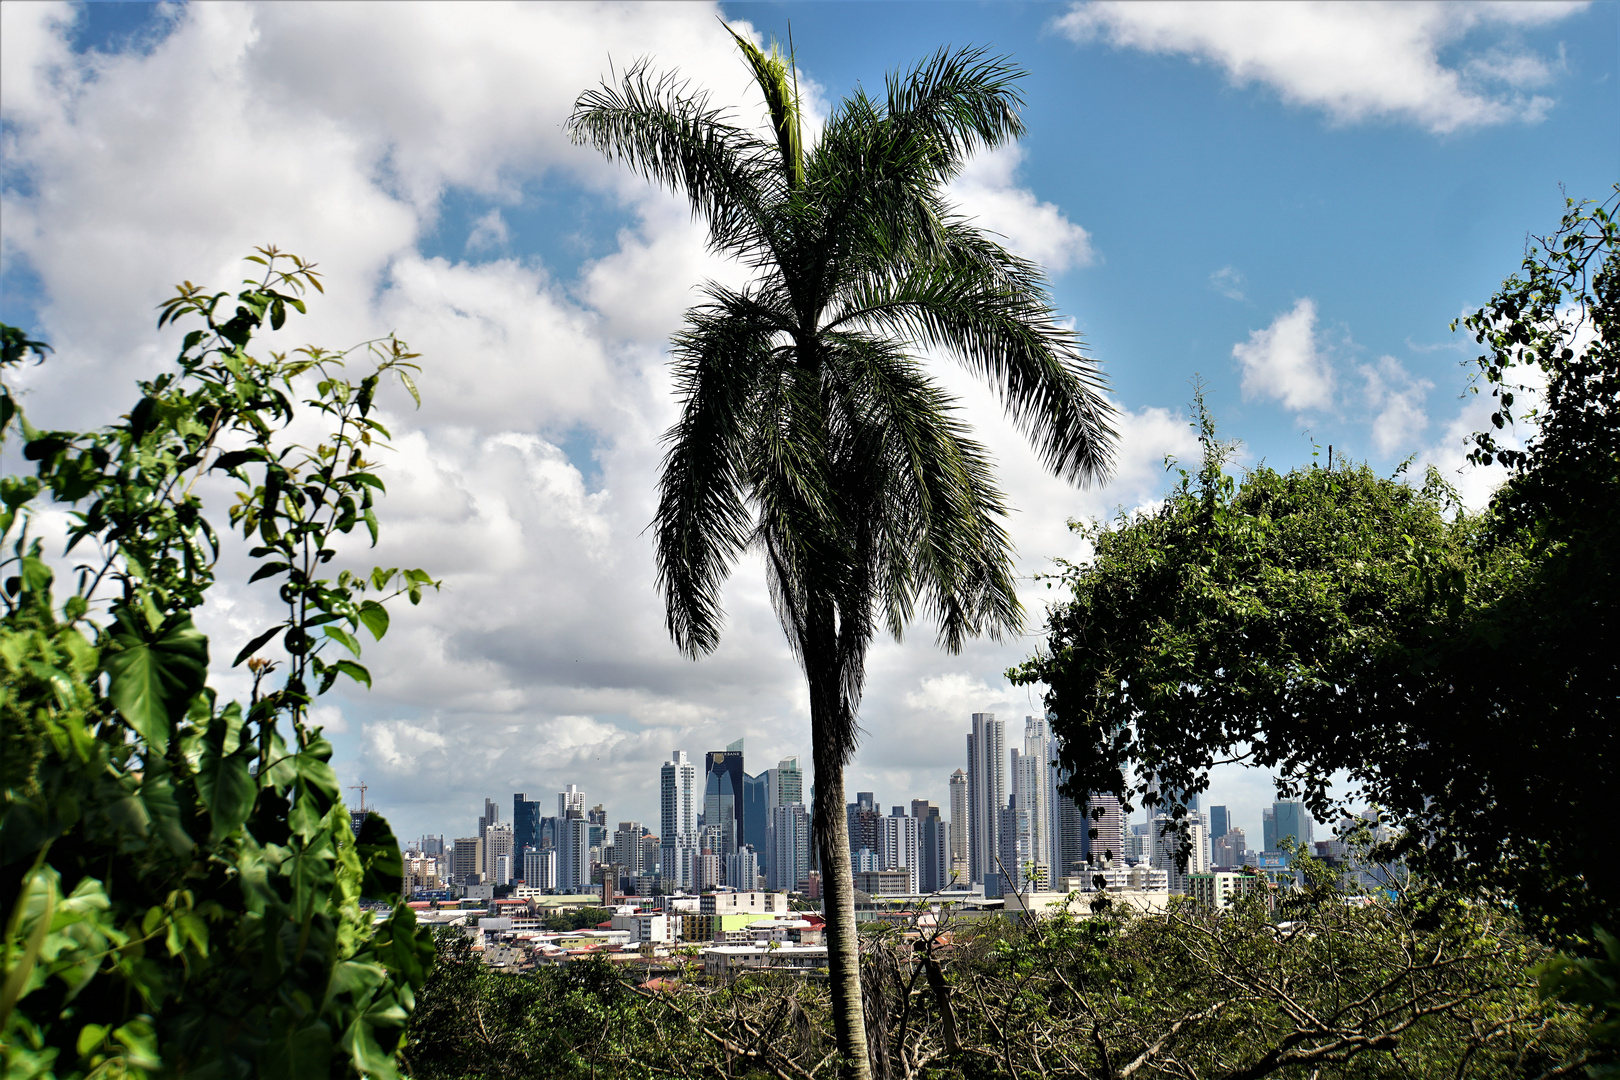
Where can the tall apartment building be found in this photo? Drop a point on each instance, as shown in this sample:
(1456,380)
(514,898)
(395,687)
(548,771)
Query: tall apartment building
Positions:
(1030,786)
(465,865)
(574,856)
(987,792)
(784,785)
(959,826)
(897,844)
(1228,850)
(1166,850)
(864,827)
(1017,866)
(742,870)
(933,850)
(1073,830)
(1040,790)
(497,845)
(789,865)
(1105,829)
(540,869)
(627,847)
(678,806)
(571,799)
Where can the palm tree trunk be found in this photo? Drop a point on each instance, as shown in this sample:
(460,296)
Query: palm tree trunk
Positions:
(837,878)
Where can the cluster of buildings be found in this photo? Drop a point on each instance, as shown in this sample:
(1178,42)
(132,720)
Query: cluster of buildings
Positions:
(1008,830)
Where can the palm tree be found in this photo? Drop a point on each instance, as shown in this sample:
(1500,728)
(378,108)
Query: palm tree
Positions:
(810,429)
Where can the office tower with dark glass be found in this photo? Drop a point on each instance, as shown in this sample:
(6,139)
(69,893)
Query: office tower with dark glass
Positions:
(525,826)
(723,796)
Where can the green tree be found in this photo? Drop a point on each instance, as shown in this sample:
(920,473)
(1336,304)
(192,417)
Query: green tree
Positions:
(1461,669)
(183,885)
(809,428)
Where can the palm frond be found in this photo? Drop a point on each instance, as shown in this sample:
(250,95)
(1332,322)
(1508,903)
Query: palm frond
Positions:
(671,135)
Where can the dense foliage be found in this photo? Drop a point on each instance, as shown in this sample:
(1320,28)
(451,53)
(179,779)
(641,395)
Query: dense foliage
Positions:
(1419,986)
(182,885)
(1462,671)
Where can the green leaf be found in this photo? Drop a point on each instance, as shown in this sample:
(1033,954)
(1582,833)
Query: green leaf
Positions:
(253,646)
(382,866)
(344,638)
(375,618)
(354,671)
(153,677)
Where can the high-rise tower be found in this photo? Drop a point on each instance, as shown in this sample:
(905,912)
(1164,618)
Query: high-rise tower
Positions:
(678,797)
(723,795)
(987,793)
(958,852)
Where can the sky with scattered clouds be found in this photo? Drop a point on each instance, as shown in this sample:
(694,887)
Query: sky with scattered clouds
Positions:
(1290,201)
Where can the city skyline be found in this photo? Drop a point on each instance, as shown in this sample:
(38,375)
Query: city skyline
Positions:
(1033,823)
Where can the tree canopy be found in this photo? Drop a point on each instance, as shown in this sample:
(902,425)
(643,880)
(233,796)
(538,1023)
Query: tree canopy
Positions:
(1460,669)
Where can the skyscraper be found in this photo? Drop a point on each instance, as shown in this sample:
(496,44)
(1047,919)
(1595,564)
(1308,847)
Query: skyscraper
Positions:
(677,786)
(756,811)
(933,851)
(627,847)
(1268,828)
(497,843)
(723,795)
(525,826)
(1290,820)
(784,785)
(959,825)
(987,793)
(1040,785)
(490,816)
(1105,831)
(1219,822)
(574,856)
(572,799)
(789,866)
(897,844)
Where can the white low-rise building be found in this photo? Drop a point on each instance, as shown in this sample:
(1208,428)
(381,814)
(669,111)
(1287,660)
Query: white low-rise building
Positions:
(1051,903)
(727,960)
(653,926)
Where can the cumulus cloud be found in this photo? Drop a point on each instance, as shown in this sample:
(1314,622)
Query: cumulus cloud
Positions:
(987,192)
(1354,61)
(544,660)
(1395,399)
(1283,363)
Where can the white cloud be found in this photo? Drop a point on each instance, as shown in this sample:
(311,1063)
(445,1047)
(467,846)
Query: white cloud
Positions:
(1395,399)
(544,661)
(1354,61)
(987,192)
(1283,362)
(488,232)
(1229,282)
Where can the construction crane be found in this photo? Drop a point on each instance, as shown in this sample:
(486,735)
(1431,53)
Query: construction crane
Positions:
(360,787)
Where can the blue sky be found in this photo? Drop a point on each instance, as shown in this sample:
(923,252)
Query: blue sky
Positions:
(1291,201)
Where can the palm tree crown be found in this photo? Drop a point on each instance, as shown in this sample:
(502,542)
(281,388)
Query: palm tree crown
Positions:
(809,425)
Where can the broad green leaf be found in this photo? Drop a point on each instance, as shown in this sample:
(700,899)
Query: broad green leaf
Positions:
(152,678)
(344,638)
(375,618)
(382,866)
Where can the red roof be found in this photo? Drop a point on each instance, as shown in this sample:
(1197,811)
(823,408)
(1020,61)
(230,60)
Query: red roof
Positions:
(605,925)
